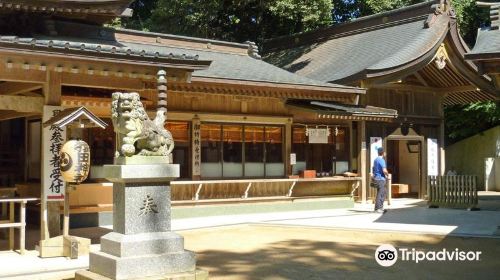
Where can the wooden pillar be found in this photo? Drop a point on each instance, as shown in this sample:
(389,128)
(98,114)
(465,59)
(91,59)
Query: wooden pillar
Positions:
(11,230)
(363,154)
(22,236)
(50,221)
(288,146)
(352,143)
(52,88)
(66,212)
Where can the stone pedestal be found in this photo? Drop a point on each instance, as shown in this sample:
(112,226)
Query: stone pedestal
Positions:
(141,244)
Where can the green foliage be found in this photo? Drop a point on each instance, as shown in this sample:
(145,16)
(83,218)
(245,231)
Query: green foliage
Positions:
(116,23)
(231,20)
(377,6)
(470,18)
(463,121)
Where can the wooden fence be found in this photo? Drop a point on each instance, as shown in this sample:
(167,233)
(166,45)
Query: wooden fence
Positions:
(457,191)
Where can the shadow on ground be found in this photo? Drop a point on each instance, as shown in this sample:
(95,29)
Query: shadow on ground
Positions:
(295,253)
(483,222)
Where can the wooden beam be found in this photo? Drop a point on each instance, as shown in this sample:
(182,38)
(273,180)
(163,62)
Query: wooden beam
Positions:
(9,115)
(99,81)
(458,89)
(404,87)
(492,67)
(22,104)
(422,89)
(13,88)
(53,88)
(21,75)
(421,79)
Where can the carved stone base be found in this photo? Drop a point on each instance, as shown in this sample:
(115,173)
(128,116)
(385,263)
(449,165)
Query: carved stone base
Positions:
(141,244)
(141,266)
(195,275)
(141,255)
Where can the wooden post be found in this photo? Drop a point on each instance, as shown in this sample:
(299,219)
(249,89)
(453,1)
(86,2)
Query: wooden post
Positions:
(389,189)
(66,211)
(288,147)
(352,142)
(363,156)
(22,237)
(50,210)
(11,230)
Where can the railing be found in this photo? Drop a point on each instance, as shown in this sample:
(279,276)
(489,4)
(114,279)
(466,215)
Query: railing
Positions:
(11,223)
(262,188)
(456,191)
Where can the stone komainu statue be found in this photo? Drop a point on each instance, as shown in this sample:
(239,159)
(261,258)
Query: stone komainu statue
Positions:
(136,133)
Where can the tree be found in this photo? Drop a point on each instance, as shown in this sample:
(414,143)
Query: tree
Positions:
(369,7)
(239,21)
(463,121)
(470,18)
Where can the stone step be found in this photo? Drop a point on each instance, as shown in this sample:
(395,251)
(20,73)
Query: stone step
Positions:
(195,275)
(141,266)
(121,245)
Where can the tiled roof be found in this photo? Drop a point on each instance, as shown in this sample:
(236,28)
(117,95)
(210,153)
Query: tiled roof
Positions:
(366,45)
(146,47)
(487,45)
(93,46)
(488,39)
(232,66)
(239,67)
(97,11)
(339,108)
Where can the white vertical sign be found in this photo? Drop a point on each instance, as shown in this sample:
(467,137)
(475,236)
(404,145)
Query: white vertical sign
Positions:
(293,158)
(375,143)
(52,140)
(432,157)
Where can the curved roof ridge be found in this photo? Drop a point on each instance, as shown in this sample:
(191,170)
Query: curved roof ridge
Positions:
(375,21)
(421,42)
(181,37)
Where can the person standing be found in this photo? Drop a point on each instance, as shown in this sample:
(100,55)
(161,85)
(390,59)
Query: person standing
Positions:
(380,175)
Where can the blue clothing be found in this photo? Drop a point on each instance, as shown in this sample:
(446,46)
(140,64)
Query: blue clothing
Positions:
(378,168)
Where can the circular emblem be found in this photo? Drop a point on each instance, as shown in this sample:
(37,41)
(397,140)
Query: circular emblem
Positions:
(386,255)
(65,162)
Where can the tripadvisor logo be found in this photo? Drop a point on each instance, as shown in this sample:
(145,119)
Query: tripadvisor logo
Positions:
(387,255)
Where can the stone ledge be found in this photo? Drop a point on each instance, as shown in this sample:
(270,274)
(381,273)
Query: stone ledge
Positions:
(138,266)
(195,275)
(122,245)
(140,173)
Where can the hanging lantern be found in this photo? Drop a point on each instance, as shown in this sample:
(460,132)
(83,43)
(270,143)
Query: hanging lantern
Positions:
(74,161)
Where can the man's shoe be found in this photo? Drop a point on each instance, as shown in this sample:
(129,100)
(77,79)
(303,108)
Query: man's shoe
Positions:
(381,211)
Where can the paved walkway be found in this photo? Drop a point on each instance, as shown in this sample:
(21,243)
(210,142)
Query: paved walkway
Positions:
(310,244)
(405,215)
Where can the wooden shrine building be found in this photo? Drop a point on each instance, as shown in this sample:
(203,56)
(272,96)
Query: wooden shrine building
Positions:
(410,60)
(244,129)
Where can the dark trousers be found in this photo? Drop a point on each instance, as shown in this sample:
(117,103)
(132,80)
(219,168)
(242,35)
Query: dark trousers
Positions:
(381,191)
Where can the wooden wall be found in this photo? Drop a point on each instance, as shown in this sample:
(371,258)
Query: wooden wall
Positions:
(406,102)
